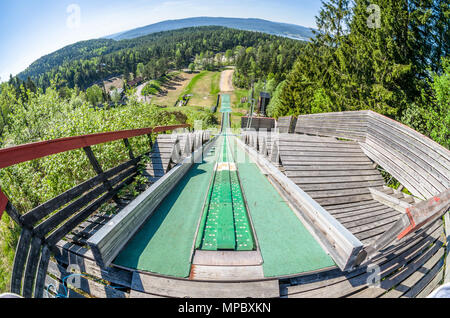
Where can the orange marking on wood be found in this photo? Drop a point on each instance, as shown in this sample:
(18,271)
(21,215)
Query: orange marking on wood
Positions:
(410,228)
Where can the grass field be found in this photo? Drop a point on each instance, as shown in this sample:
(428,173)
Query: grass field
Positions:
(173,89)
(204,87)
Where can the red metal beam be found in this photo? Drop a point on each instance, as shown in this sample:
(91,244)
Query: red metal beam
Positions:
(14,155)
(3,203)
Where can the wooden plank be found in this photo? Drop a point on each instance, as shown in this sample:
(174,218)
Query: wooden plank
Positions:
(59,233)
(136,294)
(345,199)
(53,287)
(434,284)
(321,173)
(45,209)
(389,200)
(341,244)
(183,288)
(293,153)
(341,186)
(369,206)
(107,243)
(315,142)
(227,273)
(370,220)
(427,142)
(417,169)
(409,283)
(415,244)
(87,265)
(322,280)
(91,287)
(436,155)
(357,280)
(317,180)
(31,267)
(321,159)
(416,267)
(329,194)
(350,207)
(357,228)
(42,272)
(49,224)
(374,232)
(320,167)
(427,284)
(20,259)
(305,147)
(393,169)
(363,215)
(447,233)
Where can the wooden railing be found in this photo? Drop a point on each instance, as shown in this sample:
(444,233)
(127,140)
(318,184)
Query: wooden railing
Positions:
(66,211)
(417,162)
(339,242)
(286,125)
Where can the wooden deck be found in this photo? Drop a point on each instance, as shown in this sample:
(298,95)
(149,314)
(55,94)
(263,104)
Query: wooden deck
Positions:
(338,175)
(334,158)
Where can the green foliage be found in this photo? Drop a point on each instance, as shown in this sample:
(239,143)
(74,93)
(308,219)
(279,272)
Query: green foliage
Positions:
(47,116)
(94,95)
(439,119)
(152,88)
(151,56)
(271,59)
(391,69)
(188,89)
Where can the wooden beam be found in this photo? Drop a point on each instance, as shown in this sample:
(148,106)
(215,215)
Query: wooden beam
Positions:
(342,245)
(447,261)
(128,146)
(107,243)
(167,287)
(415,217)
(390,201)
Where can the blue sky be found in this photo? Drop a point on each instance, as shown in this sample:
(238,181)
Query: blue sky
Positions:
(30,29)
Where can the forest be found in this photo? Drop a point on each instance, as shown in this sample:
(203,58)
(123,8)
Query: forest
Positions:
(82,64)
(395,63)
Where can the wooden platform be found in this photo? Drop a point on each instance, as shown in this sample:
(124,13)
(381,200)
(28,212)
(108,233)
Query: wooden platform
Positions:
(334,158)
(338,175)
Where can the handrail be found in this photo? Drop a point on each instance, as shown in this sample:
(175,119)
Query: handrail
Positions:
(27,152)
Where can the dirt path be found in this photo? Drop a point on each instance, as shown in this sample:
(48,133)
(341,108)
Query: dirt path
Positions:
(226,81)
(139,92)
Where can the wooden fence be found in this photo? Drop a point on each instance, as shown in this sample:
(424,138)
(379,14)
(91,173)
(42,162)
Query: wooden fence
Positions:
(44,226)
(417,162)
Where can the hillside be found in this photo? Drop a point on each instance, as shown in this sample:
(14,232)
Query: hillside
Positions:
(85,63)
(281,29)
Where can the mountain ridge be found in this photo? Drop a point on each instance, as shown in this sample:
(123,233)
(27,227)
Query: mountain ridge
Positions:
(292,31)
